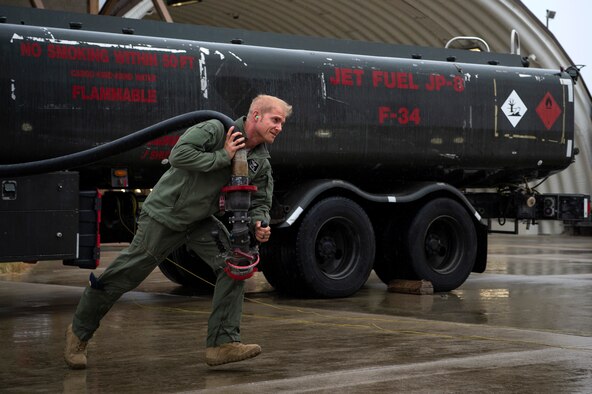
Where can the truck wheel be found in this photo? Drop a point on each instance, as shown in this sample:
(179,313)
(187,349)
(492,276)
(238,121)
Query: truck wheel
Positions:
(335,248)
(199,270)
(276,258)
(442,244)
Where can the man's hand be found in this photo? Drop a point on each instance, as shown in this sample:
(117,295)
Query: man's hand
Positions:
(234,142)
(262,233)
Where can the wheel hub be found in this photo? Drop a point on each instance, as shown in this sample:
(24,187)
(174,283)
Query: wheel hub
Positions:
(327,248)
(435,245)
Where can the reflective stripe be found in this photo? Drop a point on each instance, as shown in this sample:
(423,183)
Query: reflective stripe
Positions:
(294,215)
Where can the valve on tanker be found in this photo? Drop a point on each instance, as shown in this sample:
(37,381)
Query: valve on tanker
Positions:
(573,71)
(242,257)
(529,200)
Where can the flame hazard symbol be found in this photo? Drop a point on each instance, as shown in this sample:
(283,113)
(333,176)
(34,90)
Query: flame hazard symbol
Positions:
(548,110)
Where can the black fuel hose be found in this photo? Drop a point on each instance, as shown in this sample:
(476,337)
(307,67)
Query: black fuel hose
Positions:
(115,147)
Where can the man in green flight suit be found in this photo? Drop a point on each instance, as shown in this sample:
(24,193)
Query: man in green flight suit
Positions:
(180,210)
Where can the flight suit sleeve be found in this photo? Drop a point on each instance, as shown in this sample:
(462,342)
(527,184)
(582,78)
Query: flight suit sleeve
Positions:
(262,198)
(201,148)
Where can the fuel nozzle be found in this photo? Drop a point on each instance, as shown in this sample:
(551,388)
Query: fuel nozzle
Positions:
(241,259)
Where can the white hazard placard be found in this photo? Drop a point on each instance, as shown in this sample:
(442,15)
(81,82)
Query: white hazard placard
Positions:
(514,108)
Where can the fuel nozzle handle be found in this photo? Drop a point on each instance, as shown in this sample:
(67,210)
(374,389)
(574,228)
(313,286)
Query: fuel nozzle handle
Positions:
(264,224)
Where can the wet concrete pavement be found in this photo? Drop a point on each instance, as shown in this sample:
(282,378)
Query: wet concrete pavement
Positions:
(525,326)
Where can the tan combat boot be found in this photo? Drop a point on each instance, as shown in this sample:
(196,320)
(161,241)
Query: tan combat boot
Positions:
(230,353)
(75,351)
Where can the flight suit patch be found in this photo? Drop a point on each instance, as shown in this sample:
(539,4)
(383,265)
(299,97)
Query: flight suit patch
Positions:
(253,165)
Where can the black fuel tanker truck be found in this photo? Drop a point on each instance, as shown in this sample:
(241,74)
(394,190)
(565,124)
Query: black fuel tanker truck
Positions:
(397,158)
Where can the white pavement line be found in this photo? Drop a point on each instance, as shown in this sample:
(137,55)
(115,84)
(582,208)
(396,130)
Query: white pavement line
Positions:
(539,258)
(371,376)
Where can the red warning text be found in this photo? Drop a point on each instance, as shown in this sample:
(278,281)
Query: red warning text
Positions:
(438,82)
(393,79)
(177,61)
(402,80)
(92,54)
(402,115)
(347,77)
(103,93)
(69,52)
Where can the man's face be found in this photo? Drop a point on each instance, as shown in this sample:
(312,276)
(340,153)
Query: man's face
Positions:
(269,125)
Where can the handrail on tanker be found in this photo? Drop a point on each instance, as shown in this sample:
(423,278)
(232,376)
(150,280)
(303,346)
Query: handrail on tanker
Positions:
(482,41)
(514,43)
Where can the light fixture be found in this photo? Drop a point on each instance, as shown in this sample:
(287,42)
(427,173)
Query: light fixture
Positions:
(550,15)
(178,3)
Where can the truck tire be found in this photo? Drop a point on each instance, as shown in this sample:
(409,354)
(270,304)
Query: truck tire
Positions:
(442,244)
(335,248)
(276,257)
(198,277)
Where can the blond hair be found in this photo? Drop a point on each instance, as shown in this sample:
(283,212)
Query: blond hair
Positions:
(265,103)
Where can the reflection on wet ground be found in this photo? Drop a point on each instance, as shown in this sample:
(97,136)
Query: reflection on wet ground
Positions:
(539,255)
(523,326)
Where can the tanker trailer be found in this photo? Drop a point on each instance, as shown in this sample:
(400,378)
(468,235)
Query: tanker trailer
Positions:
(373,171)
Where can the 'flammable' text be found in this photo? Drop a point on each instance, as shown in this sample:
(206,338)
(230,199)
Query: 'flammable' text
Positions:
(103,93)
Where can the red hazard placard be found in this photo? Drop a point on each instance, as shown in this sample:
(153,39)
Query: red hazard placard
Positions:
(548,110)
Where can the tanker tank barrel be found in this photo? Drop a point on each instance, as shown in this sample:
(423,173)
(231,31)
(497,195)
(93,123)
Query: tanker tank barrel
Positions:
(392,150)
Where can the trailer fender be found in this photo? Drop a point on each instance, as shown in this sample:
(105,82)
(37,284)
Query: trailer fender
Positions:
(298,201)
